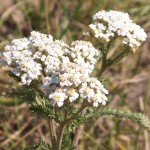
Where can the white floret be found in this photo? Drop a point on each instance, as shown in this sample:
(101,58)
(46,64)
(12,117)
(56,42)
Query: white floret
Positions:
(112,24)
(62,72)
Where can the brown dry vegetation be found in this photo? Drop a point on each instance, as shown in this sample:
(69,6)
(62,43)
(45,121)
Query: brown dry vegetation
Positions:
(128,82)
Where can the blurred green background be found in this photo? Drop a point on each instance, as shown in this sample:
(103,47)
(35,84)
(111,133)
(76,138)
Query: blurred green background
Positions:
(128,82)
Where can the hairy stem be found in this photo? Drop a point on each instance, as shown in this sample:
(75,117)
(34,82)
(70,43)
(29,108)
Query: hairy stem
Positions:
(118,58)
(60,136)
(61,131)
(104,59)
(63,125)
(76,114)
(52,132)
(77,134)
(108,62)
(103,66)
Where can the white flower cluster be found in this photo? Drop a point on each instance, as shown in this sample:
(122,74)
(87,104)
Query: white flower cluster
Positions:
(19,56)
(82,52)
(65,69)
(111,24)
(73,82)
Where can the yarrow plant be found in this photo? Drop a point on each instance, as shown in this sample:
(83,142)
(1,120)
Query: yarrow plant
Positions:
(112,24)
(57,79)
(62,72)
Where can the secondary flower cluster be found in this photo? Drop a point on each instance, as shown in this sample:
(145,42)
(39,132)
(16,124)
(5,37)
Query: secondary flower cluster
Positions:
(112,24)
(63,71)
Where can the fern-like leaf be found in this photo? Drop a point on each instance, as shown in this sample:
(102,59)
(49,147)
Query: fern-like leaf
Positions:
(140,118)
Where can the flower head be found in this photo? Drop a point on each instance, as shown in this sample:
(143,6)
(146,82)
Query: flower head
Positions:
(63,71)
(112,24)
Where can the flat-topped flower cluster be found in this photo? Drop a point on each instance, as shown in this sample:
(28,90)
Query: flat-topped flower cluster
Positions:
(112,24)
(63,71)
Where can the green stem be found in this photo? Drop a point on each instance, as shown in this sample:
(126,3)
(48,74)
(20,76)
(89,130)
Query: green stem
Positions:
(103,67)
(63,125)
(118,58)
(76,114)
(61,130)
(52,133)
(108,62)
(104,59)
(60,136)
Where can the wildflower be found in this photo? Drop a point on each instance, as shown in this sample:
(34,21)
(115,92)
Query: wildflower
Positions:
(112,24)
(58,97)
(72,94)
(63,72)
(94,92)
(82,52)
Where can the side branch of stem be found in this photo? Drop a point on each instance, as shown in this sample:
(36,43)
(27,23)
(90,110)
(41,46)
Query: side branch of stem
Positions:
(63,125)
(108,62)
